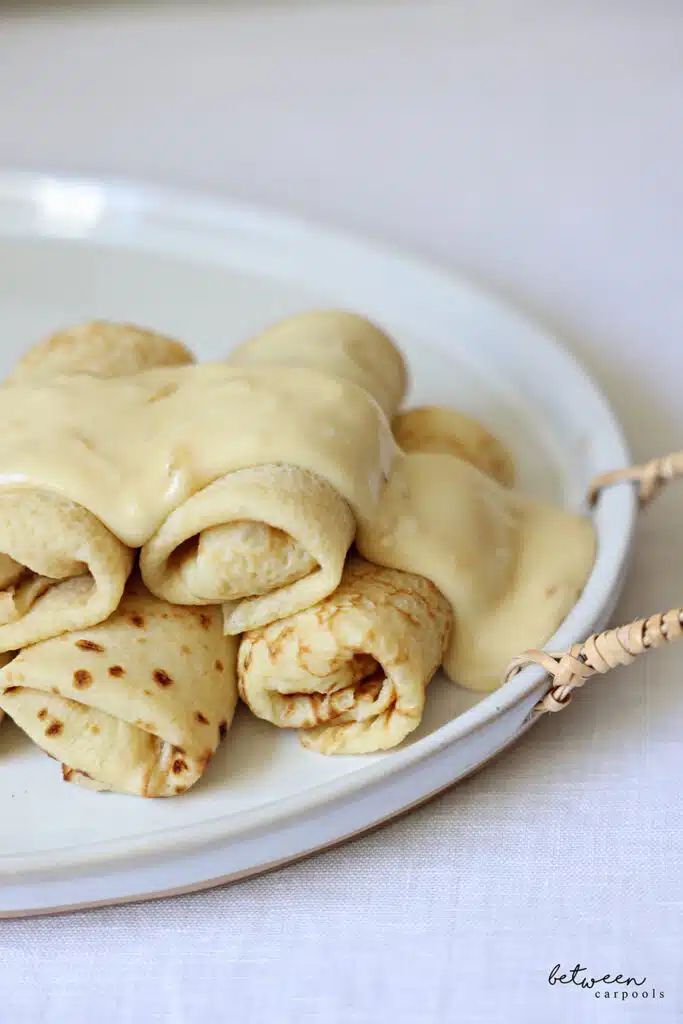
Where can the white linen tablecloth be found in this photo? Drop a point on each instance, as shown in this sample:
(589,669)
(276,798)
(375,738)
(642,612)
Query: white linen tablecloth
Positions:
(538,147)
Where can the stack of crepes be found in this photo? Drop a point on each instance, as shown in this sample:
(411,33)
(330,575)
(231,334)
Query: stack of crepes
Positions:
(129,692)
(244,486)
(453,567)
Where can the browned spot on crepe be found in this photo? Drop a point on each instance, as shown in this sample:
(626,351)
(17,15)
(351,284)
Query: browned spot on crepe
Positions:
(219,666)
(275,645)
(95,730)
(407,616)
(161,677)
(179,766)
(67,773)
(89,645)
(82,679)
(117,671)
(185,649)
(205,620)
(11,689)
(42,714)
(370,688)
(223,730)
(202,719)
(54,728)
(137,620)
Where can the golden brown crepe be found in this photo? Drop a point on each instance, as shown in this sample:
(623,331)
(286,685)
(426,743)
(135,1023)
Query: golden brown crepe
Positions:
(337,342)
(60,568)
(283,533)
(137,704)
(510,567)
(352,671)
(100,348)
(435,429)
(266,542)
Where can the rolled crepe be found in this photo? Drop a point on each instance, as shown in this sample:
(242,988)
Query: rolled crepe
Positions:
(60,568)
(434,429)
(272,540)
(352,671)
(102,349)
(265,542)
(137,704)
(337,342)
(511,568)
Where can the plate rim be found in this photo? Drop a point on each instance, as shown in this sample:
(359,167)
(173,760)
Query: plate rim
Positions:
(620,504)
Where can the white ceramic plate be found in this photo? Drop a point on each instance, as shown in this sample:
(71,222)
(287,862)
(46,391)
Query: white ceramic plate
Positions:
(212,273)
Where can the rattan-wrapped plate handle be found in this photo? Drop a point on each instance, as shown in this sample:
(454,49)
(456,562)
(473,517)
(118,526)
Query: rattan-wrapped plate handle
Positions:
(601,652)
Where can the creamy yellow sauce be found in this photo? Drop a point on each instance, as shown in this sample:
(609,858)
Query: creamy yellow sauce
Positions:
(510,567)
(131,450)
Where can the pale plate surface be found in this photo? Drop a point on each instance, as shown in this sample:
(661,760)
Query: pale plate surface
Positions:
(211,274)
